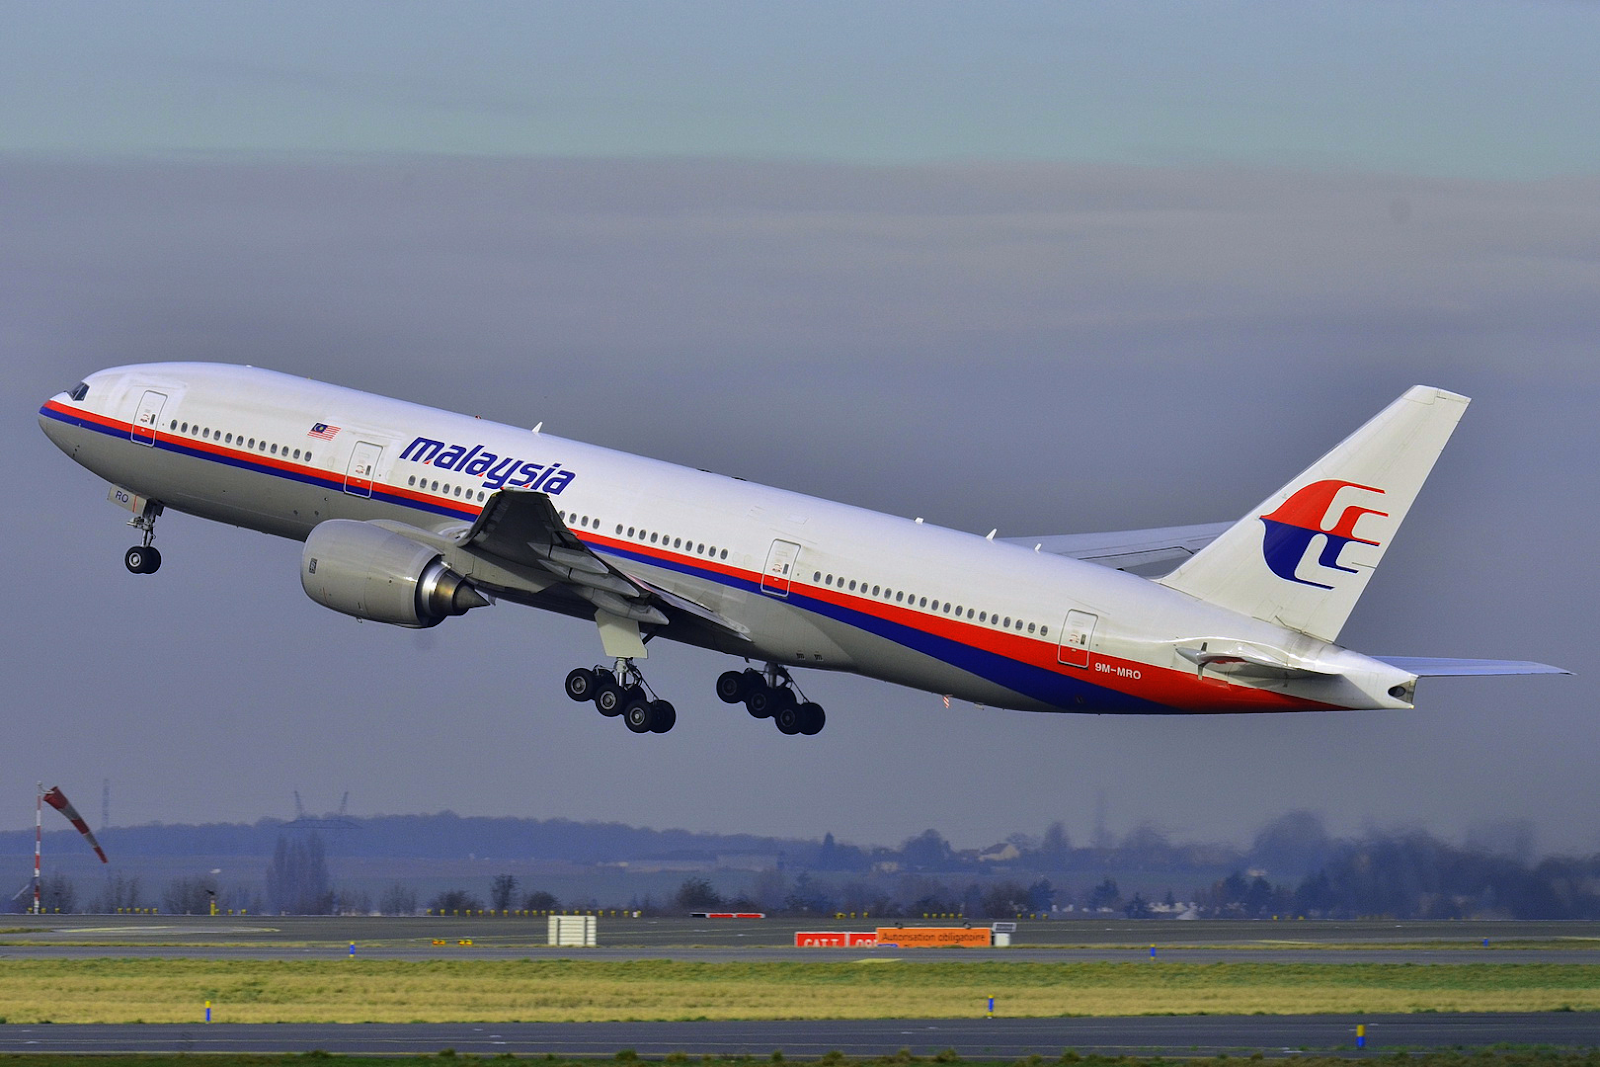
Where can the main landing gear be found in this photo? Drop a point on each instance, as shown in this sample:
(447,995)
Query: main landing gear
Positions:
(622,691)
(144,558)
(772,695)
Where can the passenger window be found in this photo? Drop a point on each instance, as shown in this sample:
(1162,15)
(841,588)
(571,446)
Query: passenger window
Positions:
(230,439)
(174,424)
(817,577)
(308,457)
(701,549)
(297,456)
(724,553)
(1030,627)
(900,596)
(619,529)
(828,580)
(274,450)
(874,590)
(1044,631)
(852,585)
(185,428)
(630,530)
(983,616)
(923,603)
(654,538)
(677,542)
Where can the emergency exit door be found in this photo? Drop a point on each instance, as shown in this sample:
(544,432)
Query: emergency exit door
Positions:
(1076,637)
(363,469)
(780,568)
(148,417)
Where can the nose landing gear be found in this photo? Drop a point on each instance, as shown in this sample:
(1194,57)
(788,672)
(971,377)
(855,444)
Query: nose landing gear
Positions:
(772,695)
(144,558)
(622,691)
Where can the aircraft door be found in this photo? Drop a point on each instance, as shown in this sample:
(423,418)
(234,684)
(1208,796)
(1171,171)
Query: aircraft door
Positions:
(148,417)
(1076,637)
(780,568)
(363,468)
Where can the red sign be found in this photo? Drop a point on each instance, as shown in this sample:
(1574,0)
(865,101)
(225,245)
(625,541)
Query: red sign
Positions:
(835,939)
(727,915)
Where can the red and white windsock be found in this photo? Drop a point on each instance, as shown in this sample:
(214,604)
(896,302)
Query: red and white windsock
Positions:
(58,800)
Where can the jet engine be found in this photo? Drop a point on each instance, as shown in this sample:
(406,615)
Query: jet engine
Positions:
(369,572)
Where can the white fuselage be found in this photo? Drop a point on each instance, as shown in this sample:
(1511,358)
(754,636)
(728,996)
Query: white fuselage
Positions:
(911,603)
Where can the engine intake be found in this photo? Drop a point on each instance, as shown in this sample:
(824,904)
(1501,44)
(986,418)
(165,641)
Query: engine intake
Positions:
(369,572)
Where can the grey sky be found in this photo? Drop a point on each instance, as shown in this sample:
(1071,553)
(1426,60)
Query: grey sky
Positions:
(1039,346)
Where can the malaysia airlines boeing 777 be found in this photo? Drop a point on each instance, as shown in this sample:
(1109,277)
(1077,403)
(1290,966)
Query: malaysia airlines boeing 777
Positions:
(411,515)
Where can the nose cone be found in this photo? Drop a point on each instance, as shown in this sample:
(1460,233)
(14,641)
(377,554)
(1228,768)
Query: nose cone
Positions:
(51,422)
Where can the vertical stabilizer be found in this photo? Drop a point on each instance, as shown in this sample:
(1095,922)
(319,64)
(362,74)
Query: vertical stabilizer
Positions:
(1302,558)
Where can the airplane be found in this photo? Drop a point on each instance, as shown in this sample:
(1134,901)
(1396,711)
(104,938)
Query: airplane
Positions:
(411,515)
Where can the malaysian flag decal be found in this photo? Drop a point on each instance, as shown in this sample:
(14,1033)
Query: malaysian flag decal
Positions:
(322,431)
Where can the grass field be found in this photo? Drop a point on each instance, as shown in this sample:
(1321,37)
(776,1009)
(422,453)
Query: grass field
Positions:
(1539,1057)
(175,990)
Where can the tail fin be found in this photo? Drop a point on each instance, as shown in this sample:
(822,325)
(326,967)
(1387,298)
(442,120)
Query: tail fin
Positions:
(1302,559)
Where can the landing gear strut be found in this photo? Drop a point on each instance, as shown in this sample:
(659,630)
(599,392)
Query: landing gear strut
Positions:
(144,558)
(622,691)
(772,695)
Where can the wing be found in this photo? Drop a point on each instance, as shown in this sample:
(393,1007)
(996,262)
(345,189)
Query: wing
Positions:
(526,529)
(1127,549)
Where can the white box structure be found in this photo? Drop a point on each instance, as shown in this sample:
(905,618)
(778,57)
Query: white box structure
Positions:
(576,931)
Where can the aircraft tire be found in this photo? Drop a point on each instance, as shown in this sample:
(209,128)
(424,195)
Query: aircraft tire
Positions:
(663,717)
(639,715)
(142,559)
(812,719)
(581,684)
(608,699)
(759,702)
(787,718)
(731,687)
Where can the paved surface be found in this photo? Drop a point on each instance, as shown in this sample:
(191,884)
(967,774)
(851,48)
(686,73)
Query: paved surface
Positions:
(971,1038)
(310,937)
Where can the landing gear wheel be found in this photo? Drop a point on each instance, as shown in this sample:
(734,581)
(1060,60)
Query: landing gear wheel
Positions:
(812,719)
(142,559)
(608,699)
(663,716)
(581,684)
(639,714)
(787,718)
(758,703)
(731,687)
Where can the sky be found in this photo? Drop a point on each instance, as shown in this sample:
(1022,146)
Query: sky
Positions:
(1039,267)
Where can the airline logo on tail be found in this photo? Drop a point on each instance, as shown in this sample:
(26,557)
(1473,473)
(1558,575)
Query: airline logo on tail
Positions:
(1299,520)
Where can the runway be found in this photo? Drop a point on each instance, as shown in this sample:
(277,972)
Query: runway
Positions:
(971,1038)
(517,937)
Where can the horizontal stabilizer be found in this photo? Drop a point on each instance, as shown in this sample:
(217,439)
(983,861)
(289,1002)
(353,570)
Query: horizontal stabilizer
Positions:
(1123,549)
(1436,667)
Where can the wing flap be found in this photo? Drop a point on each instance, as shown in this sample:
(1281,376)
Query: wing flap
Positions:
(526,528)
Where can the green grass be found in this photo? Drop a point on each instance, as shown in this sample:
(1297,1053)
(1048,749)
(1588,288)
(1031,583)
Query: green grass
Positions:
(1535,1057)
(353,990)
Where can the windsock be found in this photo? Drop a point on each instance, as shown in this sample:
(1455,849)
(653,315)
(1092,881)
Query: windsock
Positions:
(58,800)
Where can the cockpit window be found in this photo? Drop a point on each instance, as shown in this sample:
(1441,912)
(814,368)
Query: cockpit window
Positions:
(79,391)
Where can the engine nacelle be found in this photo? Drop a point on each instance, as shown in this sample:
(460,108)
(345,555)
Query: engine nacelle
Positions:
(366,571)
